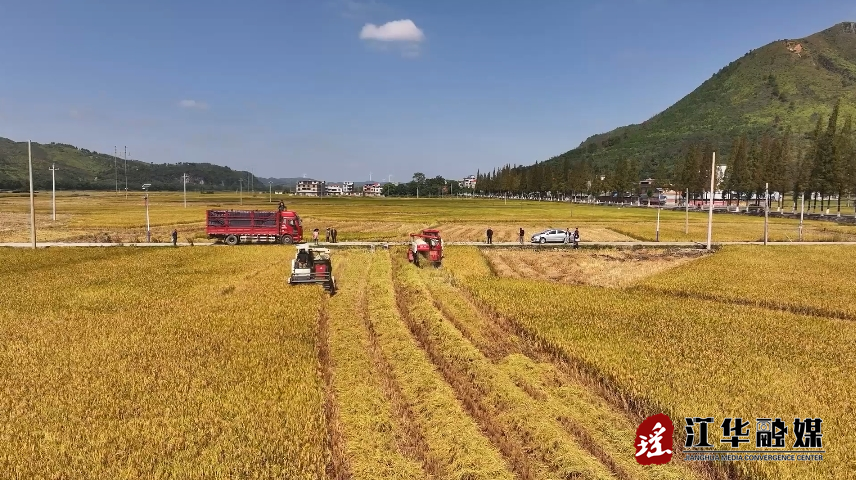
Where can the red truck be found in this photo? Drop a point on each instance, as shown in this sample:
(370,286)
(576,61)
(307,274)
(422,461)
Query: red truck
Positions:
(236,226)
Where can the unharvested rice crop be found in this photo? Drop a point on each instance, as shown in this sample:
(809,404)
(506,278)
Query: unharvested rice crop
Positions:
(695,357)
(375,443)
(809,280)
(537,445)
(188,363)
(454,445)
(518,384)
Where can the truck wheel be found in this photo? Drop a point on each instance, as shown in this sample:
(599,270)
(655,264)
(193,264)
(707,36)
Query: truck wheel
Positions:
(286,240)
(231,240)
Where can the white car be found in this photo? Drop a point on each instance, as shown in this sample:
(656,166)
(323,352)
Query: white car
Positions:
(550,236)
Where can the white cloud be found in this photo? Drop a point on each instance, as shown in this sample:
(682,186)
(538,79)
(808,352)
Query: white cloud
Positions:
(193,104)
(395,31)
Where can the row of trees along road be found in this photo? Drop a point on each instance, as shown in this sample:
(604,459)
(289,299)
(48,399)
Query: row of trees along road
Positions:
(423,186)
(819,168)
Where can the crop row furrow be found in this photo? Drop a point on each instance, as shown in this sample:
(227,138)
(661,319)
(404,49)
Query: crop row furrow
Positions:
(374,431)
(496,401)
(337,466)
(457,448)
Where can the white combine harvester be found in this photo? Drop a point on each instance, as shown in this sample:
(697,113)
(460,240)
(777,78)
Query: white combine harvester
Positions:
(312,265)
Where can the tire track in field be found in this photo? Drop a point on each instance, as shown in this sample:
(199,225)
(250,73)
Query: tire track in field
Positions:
(337,461)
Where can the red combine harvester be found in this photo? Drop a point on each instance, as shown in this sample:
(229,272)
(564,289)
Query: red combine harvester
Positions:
(427,244)
(236,226)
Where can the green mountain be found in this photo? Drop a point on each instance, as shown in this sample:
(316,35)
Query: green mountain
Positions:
(786,83)
(79,168)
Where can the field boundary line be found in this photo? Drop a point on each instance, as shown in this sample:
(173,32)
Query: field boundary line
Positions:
(386,244)
(765,304)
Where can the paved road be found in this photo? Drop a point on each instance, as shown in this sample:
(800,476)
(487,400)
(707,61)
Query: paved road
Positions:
(381,244)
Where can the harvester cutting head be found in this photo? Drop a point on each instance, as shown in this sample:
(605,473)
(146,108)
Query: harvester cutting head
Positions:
(427,245)
(312,265)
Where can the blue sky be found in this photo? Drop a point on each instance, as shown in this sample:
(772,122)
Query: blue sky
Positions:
(286,88)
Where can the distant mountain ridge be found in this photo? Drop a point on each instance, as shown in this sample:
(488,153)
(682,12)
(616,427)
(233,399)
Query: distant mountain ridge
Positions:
(83,169)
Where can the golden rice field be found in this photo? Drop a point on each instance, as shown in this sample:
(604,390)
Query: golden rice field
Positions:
(507,363)
(110,217)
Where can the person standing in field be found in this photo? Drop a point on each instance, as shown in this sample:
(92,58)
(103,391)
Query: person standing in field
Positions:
(521,236)
(489,235)
(174,237)
(315,236)
(327,235)
(333,233)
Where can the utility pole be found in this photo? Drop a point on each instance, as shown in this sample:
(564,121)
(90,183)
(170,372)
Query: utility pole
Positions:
(766,209)
(270,192)
(658,222)
(687,211)
(184,184)
(126,173)
(802,209)
(32,196)
(53,189)
(116,167)
(148,227)
(241,183)
(710,211)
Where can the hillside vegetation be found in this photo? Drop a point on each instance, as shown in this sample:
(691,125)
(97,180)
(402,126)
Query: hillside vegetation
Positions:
(79,168)
(786,83)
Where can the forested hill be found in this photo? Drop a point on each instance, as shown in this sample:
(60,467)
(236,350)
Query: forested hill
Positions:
(787,83)
(79,168)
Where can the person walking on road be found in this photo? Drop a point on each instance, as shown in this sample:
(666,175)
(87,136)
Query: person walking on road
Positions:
(568,235)
(174,237)
(520,239)
(577,237)
(334,233)
(327,235)
(489,236)
(315,236)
